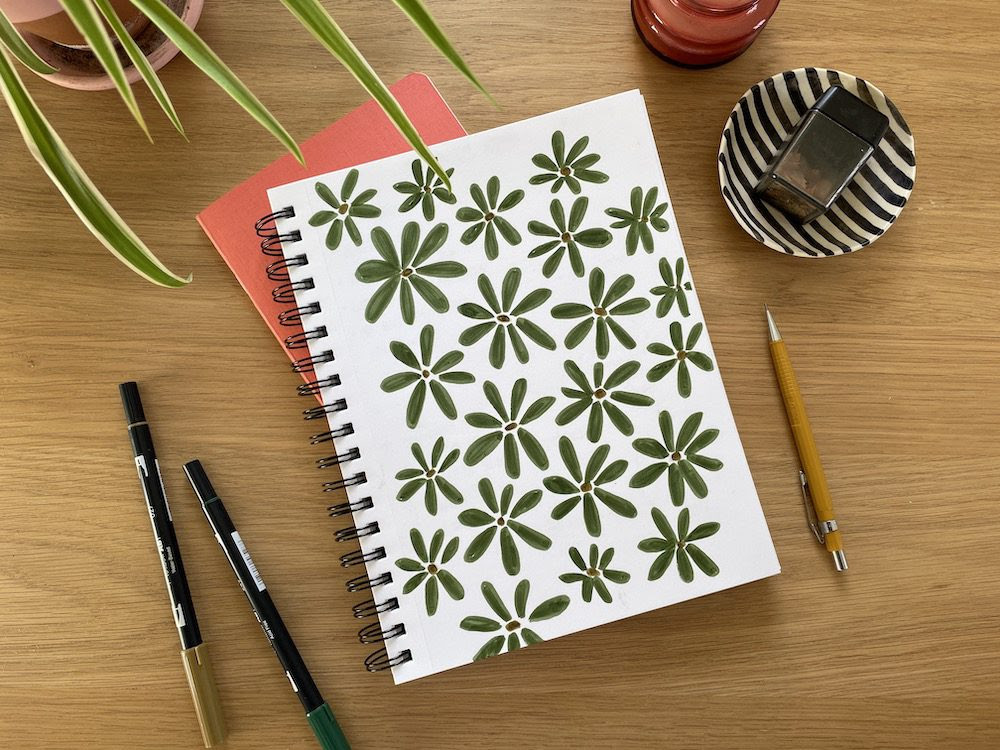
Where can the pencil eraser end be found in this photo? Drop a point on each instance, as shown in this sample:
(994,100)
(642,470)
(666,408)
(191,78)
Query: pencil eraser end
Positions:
(207,705)
(326,729)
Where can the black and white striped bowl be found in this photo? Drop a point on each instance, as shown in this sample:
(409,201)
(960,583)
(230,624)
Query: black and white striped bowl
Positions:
(762,120)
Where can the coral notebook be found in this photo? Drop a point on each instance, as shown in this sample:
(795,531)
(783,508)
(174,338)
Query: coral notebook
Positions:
(524,405)
(362,135)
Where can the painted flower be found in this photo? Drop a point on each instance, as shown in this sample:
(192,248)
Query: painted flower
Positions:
(562,168)
(501,517)
(504,425)
(602,311)
(407,271)
(597,397)
(424,376)
(428,571)
(680,546)
(644,217)
(585,486)
(674,289)
(504,318)
(429,477)
(678,456)
(678,356)
(425,189)
(344,210)
(566,237)
(486,217)
(594,573)
(516,628)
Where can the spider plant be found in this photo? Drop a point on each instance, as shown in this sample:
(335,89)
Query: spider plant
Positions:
(100,27)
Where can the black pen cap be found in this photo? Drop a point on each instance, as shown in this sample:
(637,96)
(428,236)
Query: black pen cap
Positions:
(199,480)
(131,402)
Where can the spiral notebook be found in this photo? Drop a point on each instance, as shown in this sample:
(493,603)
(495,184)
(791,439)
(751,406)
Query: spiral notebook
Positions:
(526,421)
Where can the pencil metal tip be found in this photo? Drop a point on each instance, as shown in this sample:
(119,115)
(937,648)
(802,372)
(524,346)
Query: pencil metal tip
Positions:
(772,328)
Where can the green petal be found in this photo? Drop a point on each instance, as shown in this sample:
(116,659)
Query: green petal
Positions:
(564,508)
(593,238)
(531,301)
(703,531)
(471,335)
(483,421)
(683,379)
(450,491)
(430,294)
(709,464)
(517,395)
(533,449)
(480,624)
(376,270)
(511,456)
(478,546)
(705,563)
(528,501)
(409,489)
(619,505)
(493,599)
(537,409)
(549,608)
(531,537)
(446,269)
(645,477)
(475,517)
(498,347)
(482,447)
(508,553)
(407,310)
(591,516)
(701,361)
(684,566)
(693,479)
(443,400)
(449,550)
(431,498)
(451,586)
(409,564)
(663,525)
(675,481)
(413,582)
(492,647)
(595,422)
(380,300)
(399,381)
(651,448)
(688,430)
(661,563)
(416,404)
(701,442)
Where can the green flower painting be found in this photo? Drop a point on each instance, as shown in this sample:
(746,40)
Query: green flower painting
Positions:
(430,572)
(593,573)
(568,168)
(505,317)
(425,189)
(563,237)
(678,356)
(673,290)
(422,376)
(507,425)
(501,522)
(645,217)
(486,218)
(429,476)
(679,546)
(407,271)
(585,486)
(603,314)
(679,456)
(344,210)
(601,397)
(511,628)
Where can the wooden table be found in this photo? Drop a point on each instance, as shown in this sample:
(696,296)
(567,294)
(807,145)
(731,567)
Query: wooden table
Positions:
(897,347)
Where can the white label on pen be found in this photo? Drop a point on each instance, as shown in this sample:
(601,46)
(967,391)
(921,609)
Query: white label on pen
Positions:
(249,561)
(163,490)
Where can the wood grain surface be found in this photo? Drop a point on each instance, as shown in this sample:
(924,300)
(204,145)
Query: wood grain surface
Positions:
(897,348)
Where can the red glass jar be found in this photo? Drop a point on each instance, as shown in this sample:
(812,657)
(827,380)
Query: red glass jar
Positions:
(700,33)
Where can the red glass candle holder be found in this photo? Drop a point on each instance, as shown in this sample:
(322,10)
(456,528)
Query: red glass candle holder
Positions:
(700,33)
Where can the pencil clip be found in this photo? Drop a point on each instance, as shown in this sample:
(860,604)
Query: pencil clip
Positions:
(811,518)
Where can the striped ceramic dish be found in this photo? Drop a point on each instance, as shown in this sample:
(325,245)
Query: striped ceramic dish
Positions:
(762,119)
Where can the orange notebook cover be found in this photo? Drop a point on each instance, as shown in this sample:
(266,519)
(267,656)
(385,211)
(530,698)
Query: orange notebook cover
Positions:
(362,135)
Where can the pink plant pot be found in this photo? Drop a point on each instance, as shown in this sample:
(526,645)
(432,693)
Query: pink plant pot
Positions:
(77,66)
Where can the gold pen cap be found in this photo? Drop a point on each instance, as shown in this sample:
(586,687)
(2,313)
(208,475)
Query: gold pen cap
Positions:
(201,679)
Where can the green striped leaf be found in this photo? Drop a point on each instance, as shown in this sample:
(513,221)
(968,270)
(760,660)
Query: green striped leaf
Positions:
(74,184)
(198,52)
(140,62)
(321,25)
(88,22)
(11,38)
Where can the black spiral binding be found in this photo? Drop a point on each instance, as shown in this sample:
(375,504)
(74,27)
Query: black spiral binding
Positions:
(272,242)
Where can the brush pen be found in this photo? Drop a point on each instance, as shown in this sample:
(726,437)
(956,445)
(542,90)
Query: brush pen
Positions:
(318,712)
(194,652)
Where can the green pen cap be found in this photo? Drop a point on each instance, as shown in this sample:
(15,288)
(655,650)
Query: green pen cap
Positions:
(326,729)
